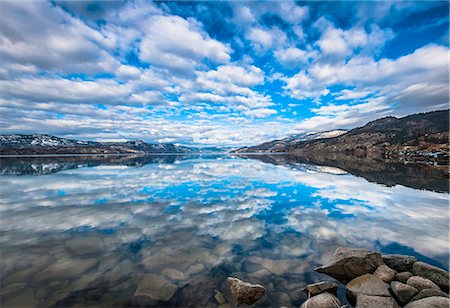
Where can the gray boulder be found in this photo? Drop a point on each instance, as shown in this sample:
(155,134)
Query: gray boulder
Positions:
(435,274)
(369,301)
(367,284)
(322,300)
(430,302)
(347,264)
(244,292)
(421,283)
(403,292)
(321,287)
(428,293)
(385,273)
(399,263)
(403,276)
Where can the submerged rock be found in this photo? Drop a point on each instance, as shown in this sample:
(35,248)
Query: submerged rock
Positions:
(421,283)
(428,293)
(244,292)
(435,274)
(321,287)
(65,268)
(370,301)
(156,287)
(403,292)
(399,263)
(430,302)
(81,246)
(173,274)
(367,284)
(347,264)
(322,300)
(385,273)
(219,297)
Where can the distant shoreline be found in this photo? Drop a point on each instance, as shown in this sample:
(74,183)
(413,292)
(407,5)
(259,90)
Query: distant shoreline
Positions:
(148,154)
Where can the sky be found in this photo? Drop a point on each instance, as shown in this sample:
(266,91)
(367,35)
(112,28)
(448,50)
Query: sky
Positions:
(217,73)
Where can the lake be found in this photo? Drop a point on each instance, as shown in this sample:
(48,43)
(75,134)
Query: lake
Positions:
(85,230)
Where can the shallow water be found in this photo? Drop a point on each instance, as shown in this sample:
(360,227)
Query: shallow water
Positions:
(85,231)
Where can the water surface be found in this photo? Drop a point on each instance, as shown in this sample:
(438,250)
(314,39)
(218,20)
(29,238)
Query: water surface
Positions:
(85,230)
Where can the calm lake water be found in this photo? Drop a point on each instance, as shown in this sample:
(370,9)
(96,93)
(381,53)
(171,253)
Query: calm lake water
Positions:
(85,230)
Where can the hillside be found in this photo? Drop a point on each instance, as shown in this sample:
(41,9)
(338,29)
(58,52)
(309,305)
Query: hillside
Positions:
(422,136)
(47,144)
(292,141)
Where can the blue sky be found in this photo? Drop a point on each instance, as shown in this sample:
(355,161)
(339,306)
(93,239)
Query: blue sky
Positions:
(217,73)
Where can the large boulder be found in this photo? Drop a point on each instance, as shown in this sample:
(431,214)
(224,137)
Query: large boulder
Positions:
(322,300)
(399,263)
(321,287)
(156,287)
(403,292)
(244,292)
(369,301)
(430,302)
(347,264)
(428,293)
(435,274)
(403,276)
(367,284)
(385,273)
(421,283)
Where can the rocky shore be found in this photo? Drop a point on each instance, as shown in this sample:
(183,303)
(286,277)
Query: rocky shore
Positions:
(371,280)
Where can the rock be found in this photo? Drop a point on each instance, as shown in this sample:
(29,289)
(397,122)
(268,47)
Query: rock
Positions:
(385,273)
(260,274)
(428,293)
(173,274)
(219,297)
(156,287)
(369,301)
(322,300)
(278,266)
(244,292)
(84,245)
(195,269)
(64,269)
(403,292)
(403,276)
(399,263)
(281,298)
(430,302)
(347,264)
(280,283)
(421,283)
(367,284)
(199,292)
(320,287)
(12,288)
(435,274)
(22,299)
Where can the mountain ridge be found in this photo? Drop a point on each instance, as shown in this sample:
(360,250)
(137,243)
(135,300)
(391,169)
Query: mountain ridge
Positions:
(35,144)
(421,136)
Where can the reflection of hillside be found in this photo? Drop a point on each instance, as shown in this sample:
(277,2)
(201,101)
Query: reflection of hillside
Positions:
(50,164)
(390,173)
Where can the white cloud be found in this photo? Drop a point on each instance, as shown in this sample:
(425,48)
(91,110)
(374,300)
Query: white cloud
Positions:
(291,56)
(351,94)
(263,39)
(176,43)
(40,36)
(394,80)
